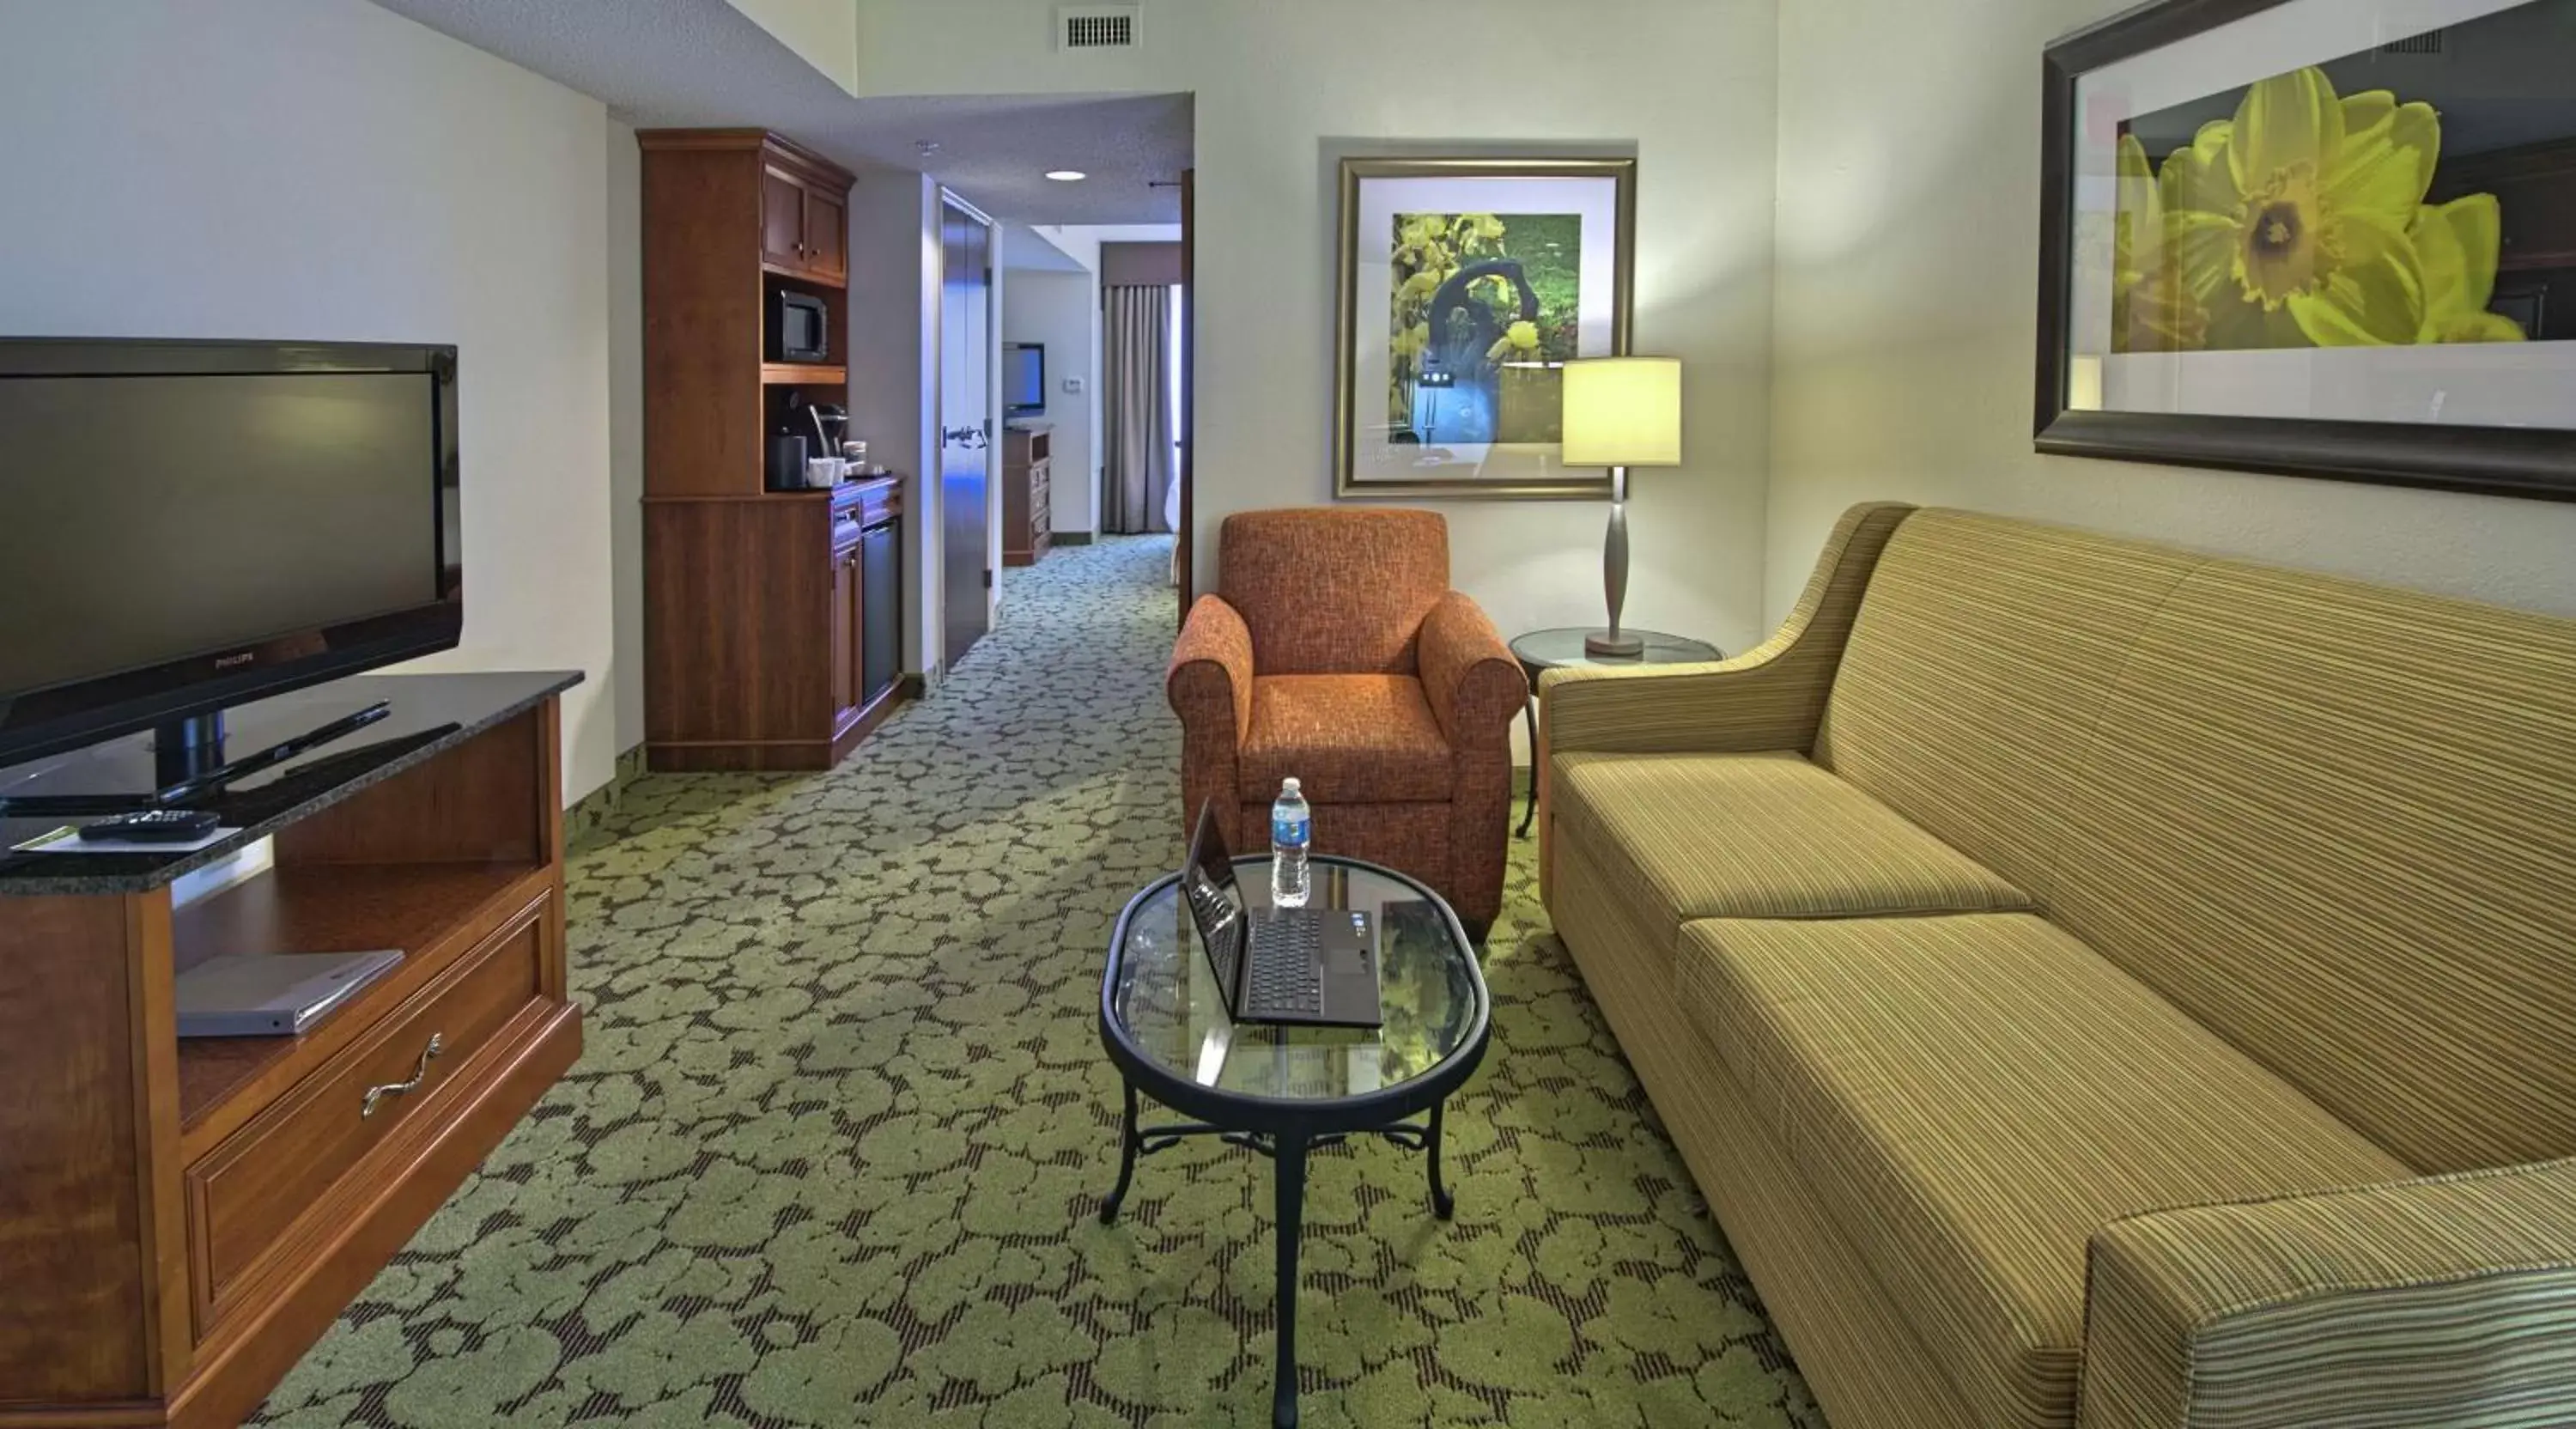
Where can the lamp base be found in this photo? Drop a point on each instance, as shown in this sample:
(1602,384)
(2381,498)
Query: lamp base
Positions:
(1613,644)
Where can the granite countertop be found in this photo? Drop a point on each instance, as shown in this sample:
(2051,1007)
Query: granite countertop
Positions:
(431,714)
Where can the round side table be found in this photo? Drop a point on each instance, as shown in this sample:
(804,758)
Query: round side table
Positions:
(1562,648)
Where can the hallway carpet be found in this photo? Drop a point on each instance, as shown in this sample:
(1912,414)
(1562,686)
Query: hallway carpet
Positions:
(833,1152)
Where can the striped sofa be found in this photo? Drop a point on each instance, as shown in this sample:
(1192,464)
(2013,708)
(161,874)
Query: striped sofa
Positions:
(2098,985)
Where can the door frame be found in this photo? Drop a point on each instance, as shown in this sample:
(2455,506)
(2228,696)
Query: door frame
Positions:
(949,198)
(1183,541)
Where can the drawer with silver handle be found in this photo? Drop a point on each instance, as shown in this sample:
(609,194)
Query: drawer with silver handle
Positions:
(247,1194)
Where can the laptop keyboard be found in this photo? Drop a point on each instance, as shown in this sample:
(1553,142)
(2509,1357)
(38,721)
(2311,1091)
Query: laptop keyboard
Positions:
(1285,963)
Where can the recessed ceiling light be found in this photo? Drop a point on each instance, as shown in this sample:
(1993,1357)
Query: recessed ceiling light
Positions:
(1067,176)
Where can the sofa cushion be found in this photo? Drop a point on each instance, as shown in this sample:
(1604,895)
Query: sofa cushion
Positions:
(1758,836)
(1346,739)
(1978,671)
(2367,794)
(1973,1097)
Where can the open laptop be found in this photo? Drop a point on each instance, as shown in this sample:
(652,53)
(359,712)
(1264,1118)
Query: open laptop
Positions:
(1309,967)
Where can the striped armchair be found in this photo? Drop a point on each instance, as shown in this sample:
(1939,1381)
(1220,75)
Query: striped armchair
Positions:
(1334,651)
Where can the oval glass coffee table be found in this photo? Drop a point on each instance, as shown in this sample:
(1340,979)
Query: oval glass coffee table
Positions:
(1283,1091)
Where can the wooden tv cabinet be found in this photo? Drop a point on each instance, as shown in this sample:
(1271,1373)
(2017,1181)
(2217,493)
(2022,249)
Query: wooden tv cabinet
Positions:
(180,1220)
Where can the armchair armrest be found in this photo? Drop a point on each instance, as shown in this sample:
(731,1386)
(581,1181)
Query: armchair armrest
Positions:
(1770,697)
(1210,686)
(2446,1300)
(1473,684)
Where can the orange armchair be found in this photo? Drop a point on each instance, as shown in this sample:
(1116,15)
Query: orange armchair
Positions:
(1335,651)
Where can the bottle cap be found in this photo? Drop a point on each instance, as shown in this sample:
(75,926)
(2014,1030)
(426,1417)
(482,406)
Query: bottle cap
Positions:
(1288,785)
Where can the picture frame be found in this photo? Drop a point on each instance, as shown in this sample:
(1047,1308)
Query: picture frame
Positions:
(1462,286)
(2165,335)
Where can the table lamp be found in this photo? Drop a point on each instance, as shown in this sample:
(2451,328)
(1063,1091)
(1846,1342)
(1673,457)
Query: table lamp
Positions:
(1621,412)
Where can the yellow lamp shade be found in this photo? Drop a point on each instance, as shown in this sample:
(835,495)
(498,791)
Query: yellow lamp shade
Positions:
(1623,411)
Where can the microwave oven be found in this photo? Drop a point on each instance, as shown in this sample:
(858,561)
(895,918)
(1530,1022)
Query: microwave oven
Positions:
(797,329)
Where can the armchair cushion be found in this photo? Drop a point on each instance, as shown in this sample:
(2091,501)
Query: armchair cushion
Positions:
(2444,1300)
(1334,590)
(1475,687)
(1348,739)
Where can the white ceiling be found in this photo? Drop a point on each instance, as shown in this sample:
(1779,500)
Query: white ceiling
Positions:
(688,64)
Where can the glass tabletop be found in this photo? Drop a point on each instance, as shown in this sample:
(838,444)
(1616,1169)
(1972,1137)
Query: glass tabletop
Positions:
(1431,994)
(1552,649)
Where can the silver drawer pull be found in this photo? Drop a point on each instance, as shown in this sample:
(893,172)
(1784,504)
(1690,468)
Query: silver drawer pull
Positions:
(419,1074)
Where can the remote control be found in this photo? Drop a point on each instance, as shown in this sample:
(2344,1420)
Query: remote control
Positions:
(153,826)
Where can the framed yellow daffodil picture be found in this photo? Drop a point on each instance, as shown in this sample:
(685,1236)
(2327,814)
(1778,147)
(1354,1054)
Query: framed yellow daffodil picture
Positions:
(1466,285)
(2329,238)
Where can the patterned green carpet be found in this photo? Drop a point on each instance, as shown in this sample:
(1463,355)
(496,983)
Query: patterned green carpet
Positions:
(833,1152)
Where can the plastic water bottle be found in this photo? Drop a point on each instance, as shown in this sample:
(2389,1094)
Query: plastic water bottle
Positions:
(1292,828)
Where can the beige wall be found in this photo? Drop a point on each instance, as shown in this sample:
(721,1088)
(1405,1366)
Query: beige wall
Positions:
(823,33)
(894,382)
(1907,243)
(324,169)
(1284,87)
(626,423)
(1062,310)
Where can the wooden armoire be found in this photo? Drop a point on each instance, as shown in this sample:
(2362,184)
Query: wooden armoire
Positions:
(773,617)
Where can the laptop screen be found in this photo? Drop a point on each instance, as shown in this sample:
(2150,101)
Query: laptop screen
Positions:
(1216,902)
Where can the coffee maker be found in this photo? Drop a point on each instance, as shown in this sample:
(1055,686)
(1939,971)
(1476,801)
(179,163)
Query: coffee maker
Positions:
(813,429)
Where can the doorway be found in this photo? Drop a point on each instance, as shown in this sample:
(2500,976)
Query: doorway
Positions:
(1187,394)
(965,423)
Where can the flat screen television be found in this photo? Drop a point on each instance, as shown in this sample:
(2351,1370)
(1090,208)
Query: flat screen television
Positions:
(1023,379)
(190,525)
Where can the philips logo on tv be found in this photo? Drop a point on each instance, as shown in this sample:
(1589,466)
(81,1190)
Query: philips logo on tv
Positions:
(230,662)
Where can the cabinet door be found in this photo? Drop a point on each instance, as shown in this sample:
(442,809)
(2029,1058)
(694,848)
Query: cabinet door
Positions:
(846,628)
(782,220)
(881,606)
(826,237)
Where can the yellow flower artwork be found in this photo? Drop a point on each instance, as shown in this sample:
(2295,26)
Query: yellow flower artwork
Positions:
(1484,306)
(2302,222)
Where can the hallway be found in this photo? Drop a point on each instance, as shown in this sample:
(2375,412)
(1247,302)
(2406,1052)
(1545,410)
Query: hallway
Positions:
(831,1154)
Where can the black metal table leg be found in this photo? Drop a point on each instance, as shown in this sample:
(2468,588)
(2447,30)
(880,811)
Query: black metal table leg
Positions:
(1529,716)
(1443,1204)
(1289,1158)
(1127,1140)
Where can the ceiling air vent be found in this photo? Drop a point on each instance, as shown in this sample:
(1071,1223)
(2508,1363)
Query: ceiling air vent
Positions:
(2427,43)
(1097,27)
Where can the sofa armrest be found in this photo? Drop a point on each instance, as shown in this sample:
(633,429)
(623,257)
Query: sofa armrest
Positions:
(2447,1300)
(1210,686)
(1473,684)
(1770,697)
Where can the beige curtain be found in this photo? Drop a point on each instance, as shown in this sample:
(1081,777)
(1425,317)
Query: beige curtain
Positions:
(1136,408)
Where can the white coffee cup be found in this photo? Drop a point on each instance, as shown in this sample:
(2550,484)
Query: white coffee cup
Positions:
(824,470)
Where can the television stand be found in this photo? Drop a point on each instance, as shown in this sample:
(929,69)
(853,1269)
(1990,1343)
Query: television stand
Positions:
(180,1219)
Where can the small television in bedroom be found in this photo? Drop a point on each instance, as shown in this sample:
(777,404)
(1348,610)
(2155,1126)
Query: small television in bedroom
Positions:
(190,525)
(1023,379)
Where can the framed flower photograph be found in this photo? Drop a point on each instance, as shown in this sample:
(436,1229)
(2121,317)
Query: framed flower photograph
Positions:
(1465,286)
(2324,237)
